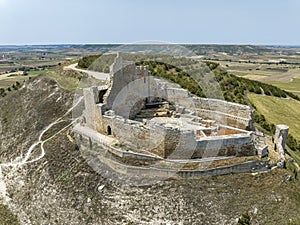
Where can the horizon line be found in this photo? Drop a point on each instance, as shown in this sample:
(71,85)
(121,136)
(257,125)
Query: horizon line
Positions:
(140,43)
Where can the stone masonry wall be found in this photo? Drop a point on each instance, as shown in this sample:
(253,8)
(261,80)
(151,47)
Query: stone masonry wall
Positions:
(234,109)
(280,138)
(138,136)
(188,147)
(122,76)
(172,143)
(240,145)
(226,119)
(247,167)
(91,112)
(231,114)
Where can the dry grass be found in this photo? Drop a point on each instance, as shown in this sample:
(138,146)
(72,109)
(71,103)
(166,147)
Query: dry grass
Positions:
(6,217)
(232,161)
(273,155)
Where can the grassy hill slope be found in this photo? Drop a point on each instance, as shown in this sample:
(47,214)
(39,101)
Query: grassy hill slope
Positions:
(279,111)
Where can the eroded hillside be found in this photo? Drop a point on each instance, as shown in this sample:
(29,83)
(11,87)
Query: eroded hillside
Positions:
(61,188)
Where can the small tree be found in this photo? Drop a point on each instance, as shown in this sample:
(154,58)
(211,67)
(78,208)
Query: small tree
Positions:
(245,219)
(2,92)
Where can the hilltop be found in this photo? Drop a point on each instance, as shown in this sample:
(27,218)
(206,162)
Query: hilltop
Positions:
(61,188)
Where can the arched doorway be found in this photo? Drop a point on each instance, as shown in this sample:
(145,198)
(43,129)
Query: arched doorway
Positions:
(109,130)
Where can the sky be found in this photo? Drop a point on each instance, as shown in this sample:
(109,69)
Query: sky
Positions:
(265,22)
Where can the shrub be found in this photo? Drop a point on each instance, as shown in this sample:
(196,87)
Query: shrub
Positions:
(86,61)
(245,219)
(2,92)
(293,143)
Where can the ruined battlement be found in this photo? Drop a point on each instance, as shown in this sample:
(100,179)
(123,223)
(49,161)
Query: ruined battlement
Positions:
(142,71)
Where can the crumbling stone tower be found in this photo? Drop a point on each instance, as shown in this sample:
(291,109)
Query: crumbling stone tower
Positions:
(280,138)
(281,135)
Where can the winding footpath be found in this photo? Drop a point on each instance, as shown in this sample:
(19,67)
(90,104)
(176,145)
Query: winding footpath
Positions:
(20,161)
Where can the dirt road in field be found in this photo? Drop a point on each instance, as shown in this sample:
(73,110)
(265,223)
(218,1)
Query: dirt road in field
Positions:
(10,75)
(97,75)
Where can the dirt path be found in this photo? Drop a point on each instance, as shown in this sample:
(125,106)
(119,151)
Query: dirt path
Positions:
(293,91)
(20,161)
(97,75)
(10,75)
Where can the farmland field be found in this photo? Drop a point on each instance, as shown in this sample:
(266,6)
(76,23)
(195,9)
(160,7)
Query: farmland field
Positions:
(293,86)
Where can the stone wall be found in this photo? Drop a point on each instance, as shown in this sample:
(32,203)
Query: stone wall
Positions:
(138,136)
(186,146)
(176,144)
(281,135)
(179,96)
(226,119)
(172,139)
(234,145)
(126,98)
(247,167)
(231,114)
(217,105)
(91,113)
(280,138)
(213,106)
(121,79)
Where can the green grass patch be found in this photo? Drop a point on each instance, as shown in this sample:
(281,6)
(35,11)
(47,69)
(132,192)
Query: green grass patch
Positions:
(66,176)
(295,156)
(64,80)
(35,72)
(279,111)
(291,86)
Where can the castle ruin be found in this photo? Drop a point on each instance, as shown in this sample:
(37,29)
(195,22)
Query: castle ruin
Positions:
(144,116)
